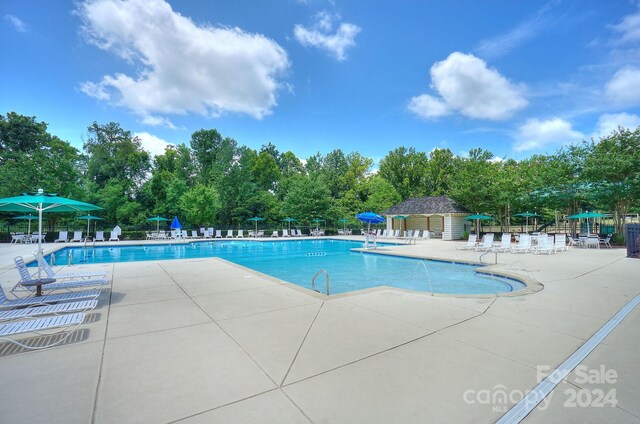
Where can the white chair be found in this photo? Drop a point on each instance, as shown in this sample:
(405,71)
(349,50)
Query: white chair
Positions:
(218,233)
(505,243)
(471,243)
(99,236)
(560,243)
(487,242)
(606,242)
(545,245)
(524,245)
(285,233)
(274,234)
(70,280)
(77,236)
(229,233)
(59,323)
(113,236)
(240,234)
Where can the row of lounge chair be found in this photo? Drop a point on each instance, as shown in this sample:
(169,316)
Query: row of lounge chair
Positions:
(408,236)
(543,244)
(210,233)
(63,237)
(58,312)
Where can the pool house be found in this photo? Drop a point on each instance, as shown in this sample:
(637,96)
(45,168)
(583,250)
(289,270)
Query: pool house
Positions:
(441,215)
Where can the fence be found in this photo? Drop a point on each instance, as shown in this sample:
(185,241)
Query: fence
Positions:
(633,240)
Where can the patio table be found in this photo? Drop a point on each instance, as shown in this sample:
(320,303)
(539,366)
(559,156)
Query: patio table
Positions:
(38,283)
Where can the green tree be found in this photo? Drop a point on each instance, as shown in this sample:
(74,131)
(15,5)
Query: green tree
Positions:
(405,169)
(200,205)
(214,155)
(307,198)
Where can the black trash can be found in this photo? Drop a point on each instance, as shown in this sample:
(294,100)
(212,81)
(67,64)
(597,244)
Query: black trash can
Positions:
(633,240)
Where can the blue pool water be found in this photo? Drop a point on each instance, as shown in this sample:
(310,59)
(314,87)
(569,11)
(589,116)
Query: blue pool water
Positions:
(297,261)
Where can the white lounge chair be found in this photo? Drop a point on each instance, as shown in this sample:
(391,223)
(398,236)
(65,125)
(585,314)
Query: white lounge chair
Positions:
(505,244)
(194,234)
(487,242)
(606,242)
(62,237)
(69,281)
(45,300)
(426,234)
(471,243)
(114,236)
(560,243)
(545,245)
(229,233)
(285,233)
(218,233)
(43,310)
(99,236)
(77,236)
(60,323)
(240,234)
(524,245)
(62,275)
(274,234)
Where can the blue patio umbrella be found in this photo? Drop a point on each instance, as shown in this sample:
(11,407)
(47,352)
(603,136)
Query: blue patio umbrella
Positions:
(370,218)
(175,224)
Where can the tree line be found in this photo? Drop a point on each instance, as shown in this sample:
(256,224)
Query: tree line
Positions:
(215,181)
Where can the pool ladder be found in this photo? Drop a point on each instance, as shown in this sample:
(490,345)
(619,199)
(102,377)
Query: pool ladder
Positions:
(495,259)
(326,278)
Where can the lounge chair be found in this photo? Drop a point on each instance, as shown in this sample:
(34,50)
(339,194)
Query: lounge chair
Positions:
(17,238)
(218,233)
(229,233)
(99,236)
(593,241)
(524,245)
(60,323)
(560,243)
(274,234)
(113,236)
(426,234)
(46,299)
(471,243)
(505,244)
(285,233)
(240,234)
(606,242)
(61,275)
(55,309)
(545,245)
(77,236)
(194,234)
(69,281)
(487,243)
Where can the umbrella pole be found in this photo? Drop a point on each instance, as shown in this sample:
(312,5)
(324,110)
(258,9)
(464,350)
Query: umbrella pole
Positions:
(88,228)
(39,239)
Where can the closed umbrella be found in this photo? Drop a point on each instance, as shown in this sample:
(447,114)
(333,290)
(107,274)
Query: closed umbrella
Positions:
(90,218)
(478,217)
(527,215)
(41,202)
(317,221)
(402,218)
(344,221)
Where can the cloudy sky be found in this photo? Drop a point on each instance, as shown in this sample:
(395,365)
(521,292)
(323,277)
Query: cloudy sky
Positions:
(517,78)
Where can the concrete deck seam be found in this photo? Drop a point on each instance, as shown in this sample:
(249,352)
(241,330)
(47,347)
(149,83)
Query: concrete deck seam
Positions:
(104,345)
(286,374)
(524,407)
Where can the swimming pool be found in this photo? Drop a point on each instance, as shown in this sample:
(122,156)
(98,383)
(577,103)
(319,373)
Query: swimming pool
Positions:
(297,261)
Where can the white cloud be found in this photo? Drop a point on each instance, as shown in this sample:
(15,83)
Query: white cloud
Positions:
(16,22)
(629,28)
(319,35)
(467,86)
(152,144)
(184,68)
(535,134)
(609,122)
(622,88)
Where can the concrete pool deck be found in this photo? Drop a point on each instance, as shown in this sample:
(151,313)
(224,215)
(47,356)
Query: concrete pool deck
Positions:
(203,340)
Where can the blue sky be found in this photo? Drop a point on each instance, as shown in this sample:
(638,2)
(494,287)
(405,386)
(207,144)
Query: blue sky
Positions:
(517,78)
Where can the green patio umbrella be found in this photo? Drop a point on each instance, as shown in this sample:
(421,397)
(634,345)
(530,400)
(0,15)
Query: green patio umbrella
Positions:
(157,219)
(587,215)
(28,217)
(478,217)
(317,221)
(289,220)
(527,215)
(402,218)
(90,218)
(344,221)
(41,202)
(255,219)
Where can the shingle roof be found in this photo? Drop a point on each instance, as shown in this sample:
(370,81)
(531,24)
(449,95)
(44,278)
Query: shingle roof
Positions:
(426,205)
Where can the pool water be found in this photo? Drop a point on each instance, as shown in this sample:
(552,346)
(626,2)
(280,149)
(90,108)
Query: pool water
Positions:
(297,261)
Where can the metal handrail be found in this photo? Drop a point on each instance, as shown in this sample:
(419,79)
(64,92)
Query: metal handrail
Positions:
(487,252)
(313,280)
